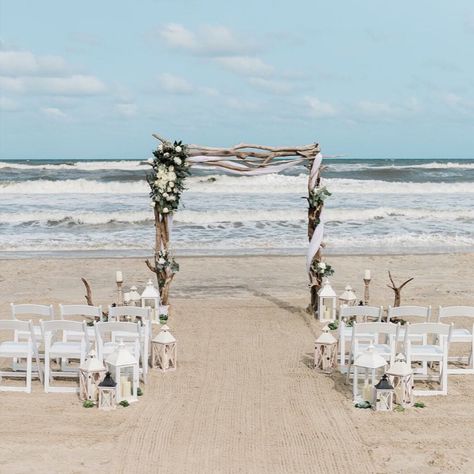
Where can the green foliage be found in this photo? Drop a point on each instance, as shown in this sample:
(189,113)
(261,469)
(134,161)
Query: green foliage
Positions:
(169,172)
(124,403)
(88,404)
(364,405)
(399,408)
(419,405)
(139,392)
(322,269)
(333,325)
(317,196)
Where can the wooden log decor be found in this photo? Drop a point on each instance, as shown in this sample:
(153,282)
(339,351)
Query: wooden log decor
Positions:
(170,167)
(397,289)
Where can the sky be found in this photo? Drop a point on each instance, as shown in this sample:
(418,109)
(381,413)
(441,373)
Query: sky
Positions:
(368,79)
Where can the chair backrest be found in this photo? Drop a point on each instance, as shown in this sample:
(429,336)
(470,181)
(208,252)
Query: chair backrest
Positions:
(375,328)
(67,311)
(119,312)
(438,329)
(50,328)
(15,325)
(32,311)
(108,328)
(361,313)
(455,312)
(418,312)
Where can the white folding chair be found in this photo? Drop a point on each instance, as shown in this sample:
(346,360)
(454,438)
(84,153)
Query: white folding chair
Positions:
(142,316)
(362,314)
(34,313)
(429,351)
(25,349)
(109,335)
(460,335)
(381,336)
(56,347)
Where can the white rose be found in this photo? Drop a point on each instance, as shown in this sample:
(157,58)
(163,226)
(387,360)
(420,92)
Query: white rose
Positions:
(166,155)
(152,203)
(170,168)
(165,195)
(150,161)
(322,265)
(171,184)
(172,198)
(165,210)
(160,147)
(157,182)
(178,149)
(177,160)
(161,261)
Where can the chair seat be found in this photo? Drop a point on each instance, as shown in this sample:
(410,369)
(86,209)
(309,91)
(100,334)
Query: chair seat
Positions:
(347,331)
(381,349)
(65,348)
(461,333)
(11,348)
(426,350)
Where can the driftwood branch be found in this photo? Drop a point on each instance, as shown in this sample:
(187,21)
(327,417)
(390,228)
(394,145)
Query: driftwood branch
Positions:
(150,266)
(88,295)
(397,289)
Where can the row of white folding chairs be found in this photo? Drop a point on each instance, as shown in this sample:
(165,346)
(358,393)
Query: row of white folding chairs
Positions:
(369,334)
(418,313)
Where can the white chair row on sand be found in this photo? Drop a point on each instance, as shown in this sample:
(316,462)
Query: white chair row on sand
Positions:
(66,342)
(425,343)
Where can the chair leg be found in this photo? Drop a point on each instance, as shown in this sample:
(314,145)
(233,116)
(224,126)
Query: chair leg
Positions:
(47,372)
(28,373)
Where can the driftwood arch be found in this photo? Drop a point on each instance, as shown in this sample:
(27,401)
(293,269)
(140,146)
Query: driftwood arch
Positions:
(243,159)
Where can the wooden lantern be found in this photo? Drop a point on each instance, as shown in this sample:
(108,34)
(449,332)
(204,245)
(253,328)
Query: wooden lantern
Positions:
(348,297)
(125,369)
(107,393)
(91,372)
(327,302)
(164,350)
(325,352)
(151,298)
(369,361)
(383,395)
(401,376)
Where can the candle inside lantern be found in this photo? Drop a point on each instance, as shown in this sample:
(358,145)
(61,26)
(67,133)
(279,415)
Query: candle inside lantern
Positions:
(367,392)
(125,386)
(118,277)
(367,275)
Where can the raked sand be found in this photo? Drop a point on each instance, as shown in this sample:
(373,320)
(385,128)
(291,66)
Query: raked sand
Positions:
(244,398)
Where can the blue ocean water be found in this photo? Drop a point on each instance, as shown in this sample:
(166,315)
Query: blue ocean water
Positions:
(102,207)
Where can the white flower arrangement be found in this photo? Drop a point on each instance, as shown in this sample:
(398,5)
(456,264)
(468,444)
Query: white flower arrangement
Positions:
(178,149)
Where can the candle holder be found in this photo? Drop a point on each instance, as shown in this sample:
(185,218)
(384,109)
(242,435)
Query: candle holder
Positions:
(366,291)
(120,293)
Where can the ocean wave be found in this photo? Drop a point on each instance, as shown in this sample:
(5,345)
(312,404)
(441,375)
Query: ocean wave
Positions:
(204,218)
(126,165)
(267,184)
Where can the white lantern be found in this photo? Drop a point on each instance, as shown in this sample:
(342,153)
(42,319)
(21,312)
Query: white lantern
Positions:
(369,361)
(401,376)
(134,296)
(325,352)
(151,298)
(327,302)
(383,395)
(107,393)
(91,372)
(348,297)
(124,367)
(164,350)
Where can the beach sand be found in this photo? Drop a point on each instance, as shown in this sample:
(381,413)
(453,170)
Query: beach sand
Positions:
(245,397)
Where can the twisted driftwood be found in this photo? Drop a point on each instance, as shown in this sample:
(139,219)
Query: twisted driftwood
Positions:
(397,289)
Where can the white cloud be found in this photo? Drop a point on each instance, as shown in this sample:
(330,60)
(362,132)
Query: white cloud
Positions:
(240,104)
(175,84)
(8,105)
(388,110)
(26,73)
(375,108)
(246,65)
(457,102)
(72,85)
(320,109)
(207,40)
(54,113)
(25,63)
(178,36)
(272,86)
(126,110)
